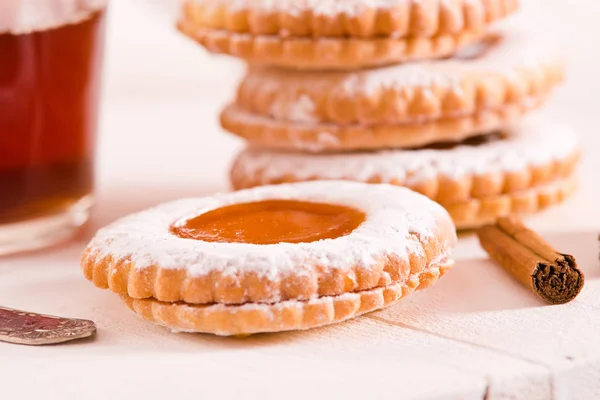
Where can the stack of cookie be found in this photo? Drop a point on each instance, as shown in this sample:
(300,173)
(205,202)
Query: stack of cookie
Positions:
(423,94)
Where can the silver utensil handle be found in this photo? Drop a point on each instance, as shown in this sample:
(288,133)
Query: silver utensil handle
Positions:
(22,327)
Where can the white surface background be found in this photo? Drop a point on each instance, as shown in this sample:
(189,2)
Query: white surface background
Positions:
(475,334)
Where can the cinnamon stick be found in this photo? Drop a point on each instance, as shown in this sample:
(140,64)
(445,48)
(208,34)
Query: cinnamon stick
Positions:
(553,276)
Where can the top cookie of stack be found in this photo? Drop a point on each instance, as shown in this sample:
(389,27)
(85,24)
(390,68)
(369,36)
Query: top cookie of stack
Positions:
(339,34)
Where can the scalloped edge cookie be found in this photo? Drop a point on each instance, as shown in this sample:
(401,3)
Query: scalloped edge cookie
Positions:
(403,234)
(314,137)
(326,53)
(347,18)
(508,67)
(288,315)
(530,154)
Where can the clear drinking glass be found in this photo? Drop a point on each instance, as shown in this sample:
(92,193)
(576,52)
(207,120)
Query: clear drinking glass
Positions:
(50,62)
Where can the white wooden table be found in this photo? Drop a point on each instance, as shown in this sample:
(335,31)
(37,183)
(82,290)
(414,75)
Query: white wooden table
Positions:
(474,335)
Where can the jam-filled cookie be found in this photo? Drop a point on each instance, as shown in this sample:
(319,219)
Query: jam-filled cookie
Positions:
(480,89)
(469,178)
(338,34)
(273,258)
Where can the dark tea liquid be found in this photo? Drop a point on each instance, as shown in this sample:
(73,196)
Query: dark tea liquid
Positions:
(49,84)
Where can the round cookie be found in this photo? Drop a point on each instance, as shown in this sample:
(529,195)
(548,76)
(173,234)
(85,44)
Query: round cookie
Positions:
(329,138)
(250,318)
(334,34)
(507,67)
(480,89)
(529,154)
(145,255)
(346,18)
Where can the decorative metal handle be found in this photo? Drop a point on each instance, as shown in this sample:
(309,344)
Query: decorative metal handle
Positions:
(28,328)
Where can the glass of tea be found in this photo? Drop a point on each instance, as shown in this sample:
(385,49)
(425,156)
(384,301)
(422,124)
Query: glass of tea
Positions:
(50,70)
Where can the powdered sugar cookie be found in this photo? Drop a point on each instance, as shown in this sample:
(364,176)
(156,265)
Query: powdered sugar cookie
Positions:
(523,170)
(271,244)
(345,34)
(326,53)
(320,138)
(507,67)
(346,18)
(530,154)
(249,318)
(481,89)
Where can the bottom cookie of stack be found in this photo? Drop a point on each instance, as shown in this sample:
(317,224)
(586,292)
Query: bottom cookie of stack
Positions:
(521,170)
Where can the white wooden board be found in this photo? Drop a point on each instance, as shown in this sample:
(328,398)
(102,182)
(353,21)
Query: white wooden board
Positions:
(475,335)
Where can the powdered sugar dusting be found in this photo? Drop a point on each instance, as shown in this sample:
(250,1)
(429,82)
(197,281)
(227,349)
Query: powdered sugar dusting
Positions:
(532,142)
(24,16)
(300,109)
(393,213)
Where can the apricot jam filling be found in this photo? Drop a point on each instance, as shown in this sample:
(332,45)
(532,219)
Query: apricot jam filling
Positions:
(271,222)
